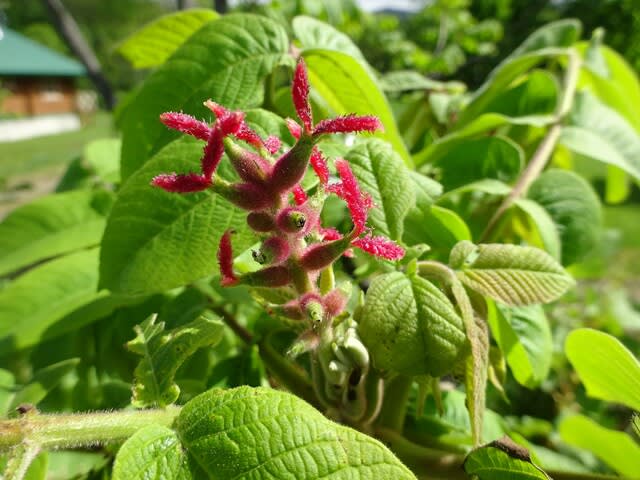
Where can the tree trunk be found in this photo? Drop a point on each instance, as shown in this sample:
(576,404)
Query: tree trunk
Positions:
(69,30)
(220,6)
(185,4)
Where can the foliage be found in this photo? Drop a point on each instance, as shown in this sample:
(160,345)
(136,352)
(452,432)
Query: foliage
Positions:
(394,311)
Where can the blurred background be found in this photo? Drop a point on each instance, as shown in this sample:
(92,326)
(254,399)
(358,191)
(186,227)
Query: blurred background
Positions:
(61,73)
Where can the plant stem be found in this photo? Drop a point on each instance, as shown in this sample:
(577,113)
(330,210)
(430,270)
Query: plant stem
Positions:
(233,324)
(394,407)
(80,429)
(287,373)
(546,147)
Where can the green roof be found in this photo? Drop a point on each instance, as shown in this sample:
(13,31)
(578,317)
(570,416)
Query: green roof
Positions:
(21,56)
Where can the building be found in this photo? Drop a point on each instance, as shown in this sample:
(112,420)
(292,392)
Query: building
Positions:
(38,94)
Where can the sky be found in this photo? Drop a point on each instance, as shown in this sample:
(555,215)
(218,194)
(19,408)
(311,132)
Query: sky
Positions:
(373,5)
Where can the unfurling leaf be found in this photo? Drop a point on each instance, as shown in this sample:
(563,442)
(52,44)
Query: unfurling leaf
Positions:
(410,327)
(258,433)
(163,353)
(510,274)
(503,460)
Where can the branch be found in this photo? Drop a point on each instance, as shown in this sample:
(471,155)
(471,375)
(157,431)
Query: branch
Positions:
(546,147)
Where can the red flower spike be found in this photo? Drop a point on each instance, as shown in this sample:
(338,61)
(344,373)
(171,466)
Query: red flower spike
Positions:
(186,124)
(299,195)
(356,201)
(380,247)
(212,153)
(217,109)
(272,144)
(330,234)
(187,183)
(300,94)
(225,260)
(231,123)
(294,128)
(319,165)
(348,124)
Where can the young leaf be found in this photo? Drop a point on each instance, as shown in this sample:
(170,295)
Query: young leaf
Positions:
(347,88)
(503,460)
(152,452)
(607,368)
(539,228)
(524,336)
(383,175)
(616,449)
(599,132)
(410,327)
(155,42)
(103,156)
(155,240)
(42,383)
(277,432)
(574,208)
(163,353)
(252,47)
(438,227)
(51,226)
(314,34)
(42,303)
(510,274)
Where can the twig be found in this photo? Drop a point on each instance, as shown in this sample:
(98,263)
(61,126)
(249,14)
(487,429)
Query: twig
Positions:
(233,324)
(546,147)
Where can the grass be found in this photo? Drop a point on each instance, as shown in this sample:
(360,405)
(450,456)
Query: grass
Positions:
(42,153)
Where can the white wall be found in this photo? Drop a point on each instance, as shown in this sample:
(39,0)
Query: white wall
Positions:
(23,128)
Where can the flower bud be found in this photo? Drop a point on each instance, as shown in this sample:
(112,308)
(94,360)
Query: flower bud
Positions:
(335,301)
(247,196)
(290,167)
(321,255)
(276,276)
(261,221)
(273,250)
(292,220)
(249,165)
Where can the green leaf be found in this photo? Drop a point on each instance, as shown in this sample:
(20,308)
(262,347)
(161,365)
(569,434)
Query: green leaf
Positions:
(500,79)
(510,274)
(561,33)
(599,132)
(152,452)
(52,225)
(575,209)
(163,353)
(407,80)
(252,47)
(495,157)
(156,240)
(383,175)
(103,157)
(346,87)
(540,229)
(314,34)
(524,336)
(502,460)
(154,43)
(44,380)
(277,432)
(410,327)
(607,368)
(616,449)
(436,226)
(40,304)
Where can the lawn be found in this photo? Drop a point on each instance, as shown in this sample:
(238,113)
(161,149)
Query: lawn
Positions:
(44,153)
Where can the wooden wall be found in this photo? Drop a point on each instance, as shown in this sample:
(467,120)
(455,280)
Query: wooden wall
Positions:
(38,95)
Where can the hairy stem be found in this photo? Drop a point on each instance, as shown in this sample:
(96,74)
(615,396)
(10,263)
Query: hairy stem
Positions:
(545,149)
(394,407)
(80,429)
